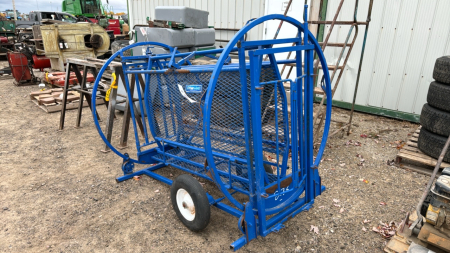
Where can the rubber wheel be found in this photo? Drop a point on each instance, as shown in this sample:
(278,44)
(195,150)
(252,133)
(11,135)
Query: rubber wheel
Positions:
(441,72)
(432,144)
(267,167)
(190,202)
(435,120)
(118,44)
(438,96)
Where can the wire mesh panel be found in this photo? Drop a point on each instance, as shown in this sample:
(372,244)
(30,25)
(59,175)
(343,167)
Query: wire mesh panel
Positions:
(235,130)
(175,101)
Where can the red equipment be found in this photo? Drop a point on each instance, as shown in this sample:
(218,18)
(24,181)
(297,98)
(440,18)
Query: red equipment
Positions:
(23,61)
(58,78)
(40,62)
(3,40)
(114,24)
(18,63)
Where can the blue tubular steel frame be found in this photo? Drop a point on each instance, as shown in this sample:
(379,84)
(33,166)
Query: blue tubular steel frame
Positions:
(205,149)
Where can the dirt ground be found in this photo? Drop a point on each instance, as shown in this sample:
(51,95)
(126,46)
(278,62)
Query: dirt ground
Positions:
(58,191)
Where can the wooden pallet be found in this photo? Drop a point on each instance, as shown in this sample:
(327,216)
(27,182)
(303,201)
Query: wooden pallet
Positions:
(56,107)
(410,157)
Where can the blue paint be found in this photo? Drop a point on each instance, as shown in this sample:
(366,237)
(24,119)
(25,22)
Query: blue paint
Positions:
(193,88)
(221,122)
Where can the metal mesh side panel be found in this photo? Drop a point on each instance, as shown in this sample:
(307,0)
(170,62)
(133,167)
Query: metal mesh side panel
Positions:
(176,116)
(227,113)
(237,181)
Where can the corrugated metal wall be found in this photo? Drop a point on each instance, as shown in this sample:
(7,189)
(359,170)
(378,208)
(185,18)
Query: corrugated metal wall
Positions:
(405,38)
(222,14)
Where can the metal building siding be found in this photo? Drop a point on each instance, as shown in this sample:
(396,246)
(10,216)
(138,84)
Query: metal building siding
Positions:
(405,38)
(222,14)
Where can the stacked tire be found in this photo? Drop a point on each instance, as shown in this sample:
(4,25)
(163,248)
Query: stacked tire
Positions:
(435,116)
(119,44)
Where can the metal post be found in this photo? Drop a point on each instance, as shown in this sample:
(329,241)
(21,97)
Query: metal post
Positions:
(64,98)
(308,94)
(255,70)
(112,106)
(82,95)
(369,14)
(14,9)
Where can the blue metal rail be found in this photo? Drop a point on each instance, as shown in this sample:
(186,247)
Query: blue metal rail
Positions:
(227,122)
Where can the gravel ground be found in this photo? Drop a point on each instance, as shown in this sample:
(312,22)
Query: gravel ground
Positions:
(58,191)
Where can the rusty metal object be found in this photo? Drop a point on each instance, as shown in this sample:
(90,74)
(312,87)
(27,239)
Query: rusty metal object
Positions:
(283,184)
(324,44)
(355,92)
(404,222)
(340,72)
(337,23)
(339,59)
(181,71)
(332,24)
(157,23)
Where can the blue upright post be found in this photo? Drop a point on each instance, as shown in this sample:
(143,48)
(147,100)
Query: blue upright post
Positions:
(308,147)
(255,71)
(247,124)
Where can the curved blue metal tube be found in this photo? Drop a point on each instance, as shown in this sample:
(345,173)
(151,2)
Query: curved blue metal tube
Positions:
(95,88)
(206,108)
(212,84)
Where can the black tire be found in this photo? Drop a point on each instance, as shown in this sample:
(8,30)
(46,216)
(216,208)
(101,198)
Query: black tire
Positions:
(201,213)
(267,167)
(118,44)
(441,72)
(435,120)
(432,144)
(438,96)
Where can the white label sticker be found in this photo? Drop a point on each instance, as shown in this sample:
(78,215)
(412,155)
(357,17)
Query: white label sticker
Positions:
(193,88)
(143,31)
(183,93)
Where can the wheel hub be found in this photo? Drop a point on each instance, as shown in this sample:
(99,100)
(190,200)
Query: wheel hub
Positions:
(185,204)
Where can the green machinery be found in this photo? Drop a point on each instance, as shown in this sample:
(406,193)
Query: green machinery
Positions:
(87,8)
(7,28)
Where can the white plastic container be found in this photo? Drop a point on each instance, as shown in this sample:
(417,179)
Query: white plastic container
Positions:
(180,14)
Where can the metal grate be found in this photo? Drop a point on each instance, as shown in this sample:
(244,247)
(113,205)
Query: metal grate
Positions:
(177,117)
(233,174)
(177,114)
